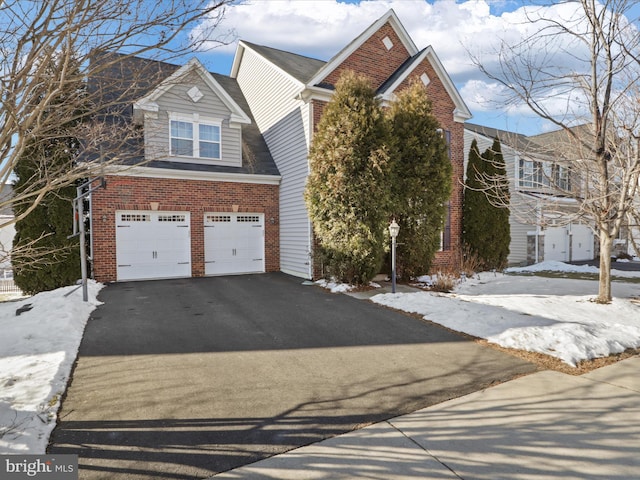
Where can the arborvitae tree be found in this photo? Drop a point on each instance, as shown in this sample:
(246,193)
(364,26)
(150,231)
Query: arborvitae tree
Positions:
(474,207)
(497,248)
(43,257)
(347,191)
(421,179)
(486,230)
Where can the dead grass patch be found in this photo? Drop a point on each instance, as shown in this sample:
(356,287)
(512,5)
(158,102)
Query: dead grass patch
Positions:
(547,362)
(541,360)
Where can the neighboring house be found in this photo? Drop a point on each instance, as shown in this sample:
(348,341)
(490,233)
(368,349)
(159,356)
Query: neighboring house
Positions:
(7,228)
(226,159)
(544,222)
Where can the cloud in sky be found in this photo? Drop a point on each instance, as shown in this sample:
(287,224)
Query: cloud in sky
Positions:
(321,28)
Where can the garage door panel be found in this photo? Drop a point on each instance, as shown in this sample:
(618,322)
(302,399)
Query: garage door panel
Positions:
(555,244)
(581,243)
(153,245)
(234,243)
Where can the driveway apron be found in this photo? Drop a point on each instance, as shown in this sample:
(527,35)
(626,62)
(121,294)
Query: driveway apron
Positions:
(183,379)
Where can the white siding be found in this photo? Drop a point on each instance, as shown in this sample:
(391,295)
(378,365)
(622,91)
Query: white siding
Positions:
(209,106)
(282,119)
(257,76)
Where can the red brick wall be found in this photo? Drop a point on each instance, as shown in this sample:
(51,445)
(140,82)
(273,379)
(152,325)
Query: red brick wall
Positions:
(197,197)
(373,58)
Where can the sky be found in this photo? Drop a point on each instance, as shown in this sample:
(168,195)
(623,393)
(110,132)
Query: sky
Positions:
(549,315)
(321,28)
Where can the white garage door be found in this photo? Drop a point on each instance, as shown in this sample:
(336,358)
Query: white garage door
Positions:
(233,243)
(152,244)
(581,242)
(556,244)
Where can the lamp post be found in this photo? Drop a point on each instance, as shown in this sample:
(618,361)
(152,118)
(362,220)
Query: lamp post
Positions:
(394,229)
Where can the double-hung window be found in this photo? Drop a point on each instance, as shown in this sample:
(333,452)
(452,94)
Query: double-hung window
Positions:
(195,137)
(209,141)
(181,138)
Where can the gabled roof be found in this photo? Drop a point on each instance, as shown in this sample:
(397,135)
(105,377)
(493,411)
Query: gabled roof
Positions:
(522,144)
(310,73)
(514,140)
(388,88)
(300,67)
(343,54)
(256,157)
(148,102)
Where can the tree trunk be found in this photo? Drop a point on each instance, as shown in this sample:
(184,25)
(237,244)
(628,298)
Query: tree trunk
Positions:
(604,287)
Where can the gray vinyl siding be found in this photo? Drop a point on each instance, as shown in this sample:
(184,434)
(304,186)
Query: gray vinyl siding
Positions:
(282,119)
(177,101)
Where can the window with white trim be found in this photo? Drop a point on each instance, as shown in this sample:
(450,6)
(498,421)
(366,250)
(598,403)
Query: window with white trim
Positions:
(195,138)
(534,174)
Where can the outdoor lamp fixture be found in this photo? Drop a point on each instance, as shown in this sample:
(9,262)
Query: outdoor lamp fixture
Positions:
(394,229)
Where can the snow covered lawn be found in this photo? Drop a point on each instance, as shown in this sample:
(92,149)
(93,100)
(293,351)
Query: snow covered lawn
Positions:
(554,316)
(37,350)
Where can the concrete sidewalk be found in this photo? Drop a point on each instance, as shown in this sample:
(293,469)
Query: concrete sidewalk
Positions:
(546,425)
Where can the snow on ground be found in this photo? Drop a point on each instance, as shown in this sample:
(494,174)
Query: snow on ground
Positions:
(37,350)
(555,316)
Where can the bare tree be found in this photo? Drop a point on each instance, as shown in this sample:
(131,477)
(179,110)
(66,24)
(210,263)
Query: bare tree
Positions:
(581,67)
(96,35)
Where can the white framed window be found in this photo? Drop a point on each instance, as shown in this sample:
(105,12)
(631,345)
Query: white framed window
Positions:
(533,174)
(195,137)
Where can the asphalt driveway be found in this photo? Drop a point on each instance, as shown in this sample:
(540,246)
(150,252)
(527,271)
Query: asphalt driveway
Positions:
(182,379)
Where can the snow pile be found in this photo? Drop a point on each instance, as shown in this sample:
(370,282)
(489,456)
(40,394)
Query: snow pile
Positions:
(554,316)
(37,350)
(553,266)
(335,287)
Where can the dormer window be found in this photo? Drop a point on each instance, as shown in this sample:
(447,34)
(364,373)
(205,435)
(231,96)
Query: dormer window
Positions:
(195,138)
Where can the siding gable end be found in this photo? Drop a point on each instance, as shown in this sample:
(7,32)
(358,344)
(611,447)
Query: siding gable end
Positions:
(149,102)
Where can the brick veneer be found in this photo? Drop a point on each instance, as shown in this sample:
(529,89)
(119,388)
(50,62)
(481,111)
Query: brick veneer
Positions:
(197,197)
(373,59)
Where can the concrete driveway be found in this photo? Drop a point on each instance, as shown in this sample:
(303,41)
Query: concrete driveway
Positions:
(182,379)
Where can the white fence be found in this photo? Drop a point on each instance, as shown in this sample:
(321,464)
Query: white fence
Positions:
(6,282)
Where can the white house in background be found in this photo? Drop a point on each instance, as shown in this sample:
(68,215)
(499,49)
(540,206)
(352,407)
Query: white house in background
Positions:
(7,230)
(544,224)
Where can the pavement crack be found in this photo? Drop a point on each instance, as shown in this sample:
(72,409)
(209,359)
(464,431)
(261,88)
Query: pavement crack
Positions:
(424,449)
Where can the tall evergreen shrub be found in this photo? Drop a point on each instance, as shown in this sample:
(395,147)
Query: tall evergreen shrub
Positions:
(486,231)
(347,193)
(421,179)
(43,258)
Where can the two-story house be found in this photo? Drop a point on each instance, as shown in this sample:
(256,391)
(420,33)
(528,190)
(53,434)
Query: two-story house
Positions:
(226,159)
(543,217)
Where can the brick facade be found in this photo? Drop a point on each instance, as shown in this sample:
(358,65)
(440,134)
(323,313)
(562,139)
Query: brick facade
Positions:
(373,59)
(196,197)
